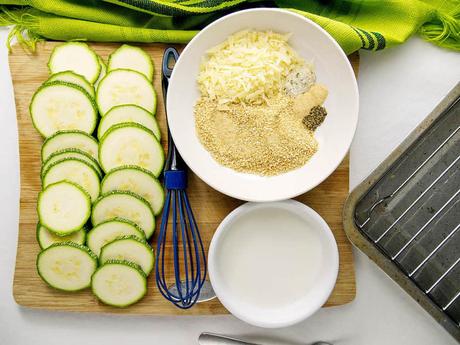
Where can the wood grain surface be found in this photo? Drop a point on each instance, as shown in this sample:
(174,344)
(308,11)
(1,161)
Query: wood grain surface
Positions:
(28,71)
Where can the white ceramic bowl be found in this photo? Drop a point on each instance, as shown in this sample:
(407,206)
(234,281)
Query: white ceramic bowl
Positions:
(309,301)
(334,136)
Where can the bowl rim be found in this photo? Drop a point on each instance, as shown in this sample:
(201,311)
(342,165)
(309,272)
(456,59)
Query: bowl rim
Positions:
(325,288)
(306,187)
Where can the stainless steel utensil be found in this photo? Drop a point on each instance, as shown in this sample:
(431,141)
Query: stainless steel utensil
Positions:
(217,339)
(189,260)
(406,215)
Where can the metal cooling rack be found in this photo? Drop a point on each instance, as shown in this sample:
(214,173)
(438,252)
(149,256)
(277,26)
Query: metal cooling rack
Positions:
(408,214)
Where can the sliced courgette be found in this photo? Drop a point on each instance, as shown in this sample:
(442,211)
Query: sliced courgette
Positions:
(63,207)
(46,238)
(136,180)
(74,170)
(128,113)
(131,144)
(58,106)
(123,86)
(129,248)
(67,266)
(109,230)
(134,58)
(73,78)
(125,205)
(70,153)
(77,57)
(119,283)
(103,72)
(69,140)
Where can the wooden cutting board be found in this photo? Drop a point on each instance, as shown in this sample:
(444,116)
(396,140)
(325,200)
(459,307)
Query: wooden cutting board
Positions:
(28,71)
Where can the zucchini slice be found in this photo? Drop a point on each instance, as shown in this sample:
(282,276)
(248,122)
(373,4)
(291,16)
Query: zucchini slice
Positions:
(46,238)
(63,207)
(109,230)
(136,180)
(128,113)
(119,283)
(58,105)
(123,86)
(131,144)
(125,205)
(103,72)
(73,78)
(129,248)
(67,266)
(133,58)
(74,170)
(69,140)
(77,57)
(70,153)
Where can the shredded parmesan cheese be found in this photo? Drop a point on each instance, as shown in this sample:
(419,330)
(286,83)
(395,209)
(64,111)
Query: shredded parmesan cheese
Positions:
(249,67)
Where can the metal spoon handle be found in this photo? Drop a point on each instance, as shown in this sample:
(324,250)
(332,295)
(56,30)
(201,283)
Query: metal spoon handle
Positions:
(216,339)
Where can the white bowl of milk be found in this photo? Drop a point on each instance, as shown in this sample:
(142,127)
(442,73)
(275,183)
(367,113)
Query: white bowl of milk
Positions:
(273,264)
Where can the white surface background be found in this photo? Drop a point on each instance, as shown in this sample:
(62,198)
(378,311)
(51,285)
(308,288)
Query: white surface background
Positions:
(398,88)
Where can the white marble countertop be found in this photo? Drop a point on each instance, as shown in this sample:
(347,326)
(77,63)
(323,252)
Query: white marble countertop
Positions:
(398,88)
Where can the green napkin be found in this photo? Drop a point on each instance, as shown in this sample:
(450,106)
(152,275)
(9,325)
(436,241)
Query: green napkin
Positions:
(355,24)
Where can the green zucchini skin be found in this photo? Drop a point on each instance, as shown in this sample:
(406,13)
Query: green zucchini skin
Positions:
(132,266)
(148,59)
(114,128)
(141,170)
(70,231)
(148,83)
(101,74)
(70,85)
(80,161)
(69,244)
(91,79)
(92,242)
(77,152)
(133,239)
(60,76)
(58,134)
(147,113)
(148,232)
(40,228)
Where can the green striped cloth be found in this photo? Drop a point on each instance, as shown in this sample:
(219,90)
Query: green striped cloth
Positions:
(355,24)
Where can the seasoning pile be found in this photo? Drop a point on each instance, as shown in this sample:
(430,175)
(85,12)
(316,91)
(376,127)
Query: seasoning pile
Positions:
(259,105)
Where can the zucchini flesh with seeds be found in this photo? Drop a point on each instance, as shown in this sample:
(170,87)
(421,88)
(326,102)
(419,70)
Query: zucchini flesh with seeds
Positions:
(77,57)
(47,238)
(70,153)
(73,78)
(67,266)
(58,106)
(129,248)
(136,180)
(122,86)
(63,207)
(134,58)
(125,205)
(128,113)
(119,283)
(131,144)
(69,140)
(109,230)
(74,170)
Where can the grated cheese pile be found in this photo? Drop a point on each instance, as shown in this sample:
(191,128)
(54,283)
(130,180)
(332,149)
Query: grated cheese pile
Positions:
(249,67)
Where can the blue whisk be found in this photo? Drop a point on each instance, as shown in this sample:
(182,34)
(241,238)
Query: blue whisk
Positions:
(187,247)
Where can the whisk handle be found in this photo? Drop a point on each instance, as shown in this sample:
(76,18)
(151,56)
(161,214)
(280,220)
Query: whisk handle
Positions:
(174,160)
(175,179)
